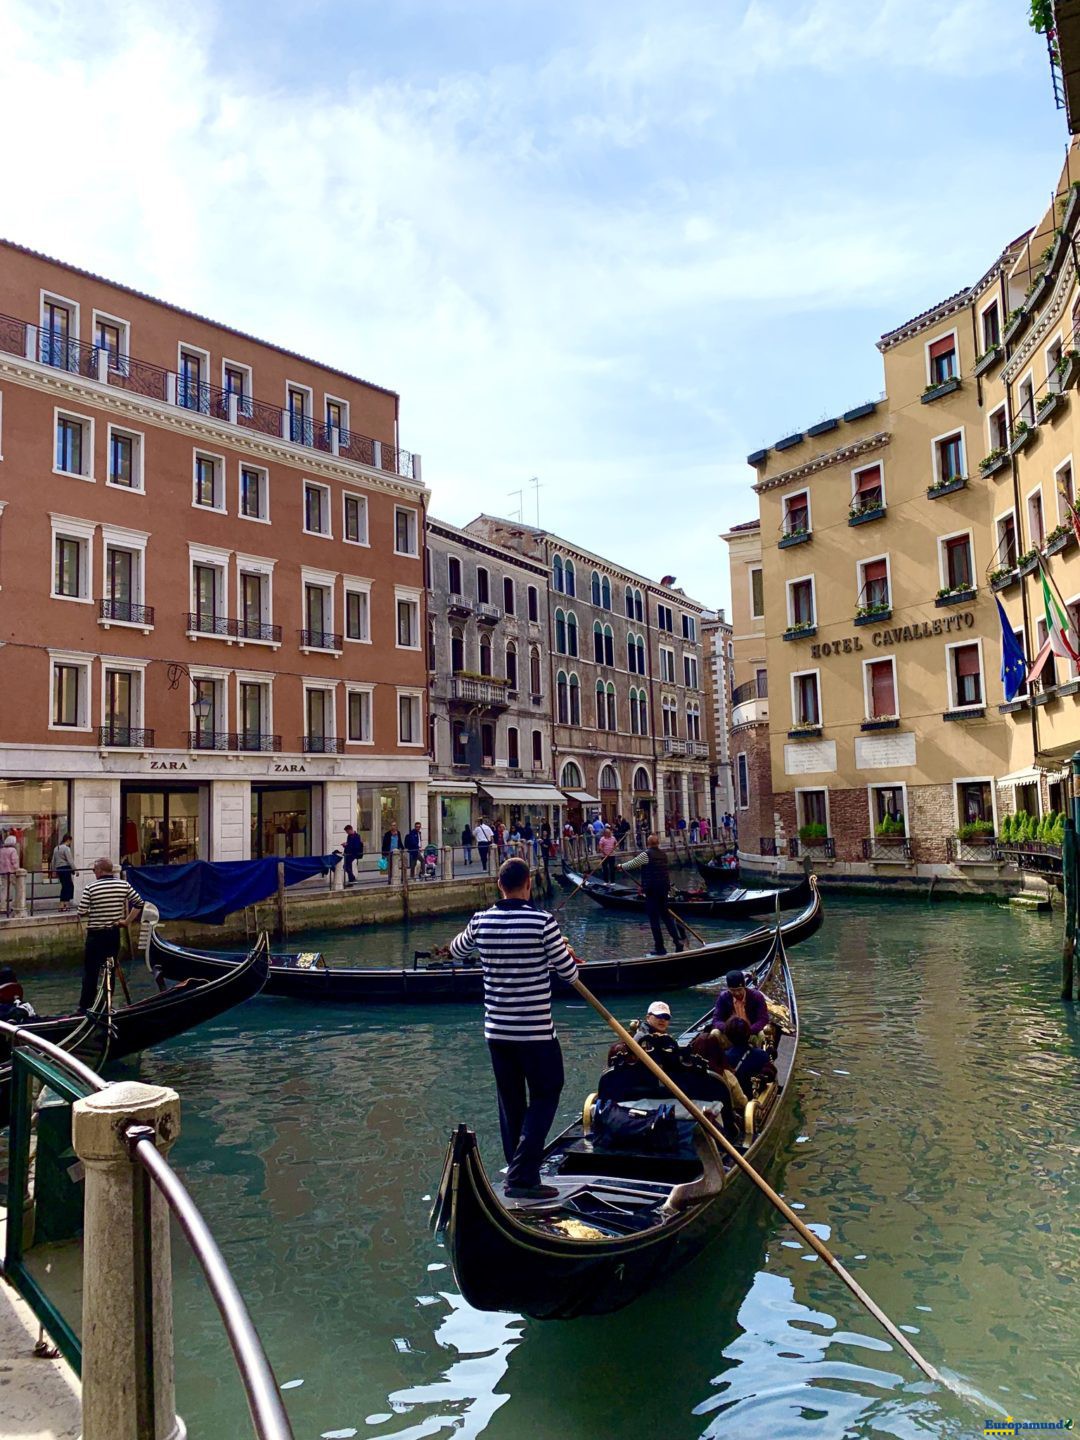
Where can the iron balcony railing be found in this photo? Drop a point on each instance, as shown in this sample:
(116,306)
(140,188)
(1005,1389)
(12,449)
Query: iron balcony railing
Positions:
(825,848)
(877,847)
(189,392)
(125,737)
(257,740)
(124,611)
(957,850)
(768,844)
(320,640)
(257,630)
(212,740)
(203,623)
(750,690)
(323,745)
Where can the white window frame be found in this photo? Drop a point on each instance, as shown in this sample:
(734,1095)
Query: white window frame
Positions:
(264,679)
(1029,380)
(327,510)
(867,691)
(991,441)
(943,574)
(325,580)
(124,327)
(860,575)
(417,697)
(353,585)
(667,672)
(1063,514)
(742,762)
(950,675)
(138,466)
(795,495)
(800,580)
(263,566)
(119,537)
(975,780)
(368,691)
(61,412)
(1036,490)
(345,426)
(264,493)
(879,466)
(83,662)
(900,785)
(999,520)
(409,510)
(220,681)
(309,408)
(935,458)
(695,683)
(53,297)
(411,595)
(1053,379)
(218,560)
(690,623)
(244,406)
(800,820)
(68,527)
(994,300)
(1074,668)
(137,667)
(363,499)
(221,505)
(328,687)
(750,569)
(796,675)
(933,340)
(183,347)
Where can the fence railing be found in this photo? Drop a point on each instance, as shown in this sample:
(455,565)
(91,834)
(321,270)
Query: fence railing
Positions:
(897,850)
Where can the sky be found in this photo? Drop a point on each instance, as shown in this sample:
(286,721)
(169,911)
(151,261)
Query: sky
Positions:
(613,245)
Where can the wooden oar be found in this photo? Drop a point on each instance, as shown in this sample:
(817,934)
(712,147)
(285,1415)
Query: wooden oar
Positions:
(789,1215)
(679,920)
(579,886)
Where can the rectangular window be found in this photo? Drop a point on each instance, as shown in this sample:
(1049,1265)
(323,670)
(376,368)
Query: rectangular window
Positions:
(409,722)
(742,775)
(690,671)
(205,583)
(999,429)
(120,701)
(57,332)
(483,586)
(298,404)
(69,695)
(238,383)
(453,574)
(757,593)
(1006,556)
(1036,528)
(869,494)
(664,619)
(881,690)
(72,449)
(513,755)
(874,589)
(807,701)
(209,491)
(689,627)
(950,457)
(801,602)
(359,716)
(121,578)
(974,802)
(534,604)
(1047,677)
(813,808)
(538,749)
(108,336)
(356,529)
(316,509)
(667,665)
(967,675)
(797,514)
(509,597)
(254,493)
(1066,493)
(887,803)
(335,416)
(254,714)
(319,716)
(1026,395)
(123,460)
(70,574)
(991,327)
(192,391)
(206,711)
(943,360)
(408,624)
(405,542)
(958,565)
(357,615)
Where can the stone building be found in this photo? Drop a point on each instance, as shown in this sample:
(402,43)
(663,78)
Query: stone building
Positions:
(489,685)
(719,655)
(748,739)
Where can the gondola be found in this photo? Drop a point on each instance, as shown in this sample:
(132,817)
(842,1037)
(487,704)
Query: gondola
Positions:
(624,1219)
(734,904)
(308,977)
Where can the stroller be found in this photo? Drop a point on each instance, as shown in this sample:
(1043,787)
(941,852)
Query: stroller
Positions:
(431,862)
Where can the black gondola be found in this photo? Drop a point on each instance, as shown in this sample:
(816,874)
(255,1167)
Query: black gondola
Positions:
(734,904)
(308,977)
(624,1219)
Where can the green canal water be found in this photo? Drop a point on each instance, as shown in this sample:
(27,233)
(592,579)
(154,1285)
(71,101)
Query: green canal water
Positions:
(933,1145)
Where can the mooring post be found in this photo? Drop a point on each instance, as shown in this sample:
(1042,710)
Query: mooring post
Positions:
(127,1325)
(281,899)
(1070,872)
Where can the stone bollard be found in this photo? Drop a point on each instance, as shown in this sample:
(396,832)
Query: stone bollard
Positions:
(117,1367)
(20,892)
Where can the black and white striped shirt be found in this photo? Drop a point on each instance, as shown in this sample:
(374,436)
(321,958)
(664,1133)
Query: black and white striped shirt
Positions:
(106,902)
(518,946)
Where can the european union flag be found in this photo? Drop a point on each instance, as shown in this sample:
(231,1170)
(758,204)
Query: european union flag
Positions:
(1013,664)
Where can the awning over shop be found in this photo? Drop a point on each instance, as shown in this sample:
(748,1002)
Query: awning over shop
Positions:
(1030,776)
(522,794)
(452,787)
(582,797)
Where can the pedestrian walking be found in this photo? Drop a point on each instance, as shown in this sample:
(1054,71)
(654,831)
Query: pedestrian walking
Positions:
(467,843)
(9,863)
(484,836)
(108,902)
(353,851)
(519,945)
(62,865)
(391,846)
(655,881)
(412,848)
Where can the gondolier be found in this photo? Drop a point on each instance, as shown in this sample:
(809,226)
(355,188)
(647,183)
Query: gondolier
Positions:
(656,886)
(108,902)
(519,945)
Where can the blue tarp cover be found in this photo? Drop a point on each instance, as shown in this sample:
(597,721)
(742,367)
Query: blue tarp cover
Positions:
(209,890)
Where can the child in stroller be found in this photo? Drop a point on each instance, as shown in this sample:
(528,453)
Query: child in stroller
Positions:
(431,861)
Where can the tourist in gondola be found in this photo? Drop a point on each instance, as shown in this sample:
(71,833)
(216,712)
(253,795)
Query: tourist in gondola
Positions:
(655,884)
(741,1000)
(745,1060)
(519,945)
(657,1020)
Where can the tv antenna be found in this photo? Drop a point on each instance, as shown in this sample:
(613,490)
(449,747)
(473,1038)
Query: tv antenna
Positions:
(535,482)
(521,504)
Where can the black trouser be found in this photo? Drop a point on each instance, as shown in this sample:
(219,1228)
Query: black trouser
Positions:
(484,849)
(535,1065)
(349,876)
(101,945)
(66,876)
(656,908)
(607,869)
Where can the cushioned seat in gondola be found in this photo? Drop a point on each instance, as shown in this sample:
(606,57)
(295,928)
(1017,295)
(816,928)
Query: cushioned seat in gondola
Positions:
(583,1158)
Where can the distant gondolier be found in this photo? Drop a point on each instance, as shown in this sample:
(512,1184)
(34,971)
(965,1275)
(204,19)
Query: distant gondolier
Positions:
(656,886)
(108,902)
(518,946)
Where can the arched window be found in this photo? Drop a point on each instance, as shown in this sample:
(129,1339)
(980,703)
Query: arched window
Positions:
(639,607)
(605,593)
(560,632)
(509,598)
(609,779)
(635,723)
(534,671)
(642,783)
(561,701)
(628,596)
(457,651)
(570,576)
(631,655)
(557,574)
(643,713)
(570,779)
(575,700)
(601,707)
(597,642)
(534,603)
(612,713)
(595,588)
(571,633)
(609,646)
(640,655)
(511,665)
(485,654)
(538,749)
(513,755)
(670,715)
(693,722)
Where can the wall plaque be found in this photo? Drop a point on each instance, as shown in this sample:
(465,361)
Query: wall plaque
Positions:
(884,752)
(810,757)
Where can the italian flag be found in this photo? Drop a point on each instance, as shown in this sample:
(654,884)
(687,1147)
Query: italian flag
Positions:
(1059,632)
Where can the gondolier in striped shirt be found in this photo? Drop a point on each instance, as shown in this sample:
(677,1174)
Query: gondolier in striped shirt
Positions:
(519,945)
(108,902)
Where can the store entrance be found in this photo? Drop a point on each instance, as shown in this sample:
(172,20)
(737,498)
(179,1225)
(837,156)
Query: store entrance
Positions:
(281,821)
(161,827)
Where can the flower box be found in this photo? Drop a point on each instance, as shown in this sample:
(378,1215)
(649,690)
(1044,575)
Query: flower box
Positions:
(1011,707)
(1043,697)
(758,457)
(1004,579)
(988,361)
(969,712)
(1037,293)
(1059,539)
(789,441)
(1025,436)
(1050,402)
(1069,369)
(822,427)
(1027,563)
(863,517)
(890,723)
(995,461)
(805,732)
(797,537)
(1015,325)
(946,487)
(799,632)
(935,392)
(874,617)
(859,411)
(1071,687)
(955,597)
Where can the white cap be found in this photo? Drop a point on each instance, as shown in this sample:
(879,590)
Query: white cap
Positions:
(660,1007)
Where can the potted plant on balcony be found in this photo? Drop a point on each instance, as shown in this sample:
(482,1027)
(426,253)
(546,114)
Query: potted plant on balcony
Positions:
(1027,562)
(861,509)
(995,460)
(873,611)
(799,629)
(950,594)
(890,831)
(813,834)
(794,534)
(945,485)
(976,832)
(1058,538)
(1002,577)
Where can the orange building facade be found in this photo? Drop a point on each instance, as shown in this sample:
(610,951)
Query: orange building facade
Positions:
(212,602)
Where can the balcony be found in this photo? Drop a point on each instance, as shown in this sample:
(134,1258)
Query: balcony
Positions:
(887,850)
(488,614)
(187,391)
(229,629)
(323,745)
(458,606)
(257,630)
(125,737)
(255,740)
(321,640)
(813,849)
(202,623)
(749,703)
(690,749)
(123,612)
(212,740)
(465,690)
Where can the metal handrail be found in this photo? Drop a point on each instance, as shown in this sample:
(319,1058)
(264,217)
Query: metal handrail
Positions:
(265,1406)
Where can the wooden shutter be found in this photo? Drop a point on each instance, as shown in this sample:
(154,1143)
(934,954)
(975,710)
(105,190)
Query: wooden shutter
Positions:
(868,480)
(943,347)
(882,689)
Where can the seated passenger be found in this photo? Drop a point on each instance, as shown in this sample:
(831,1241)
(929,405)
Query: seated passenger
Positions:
(747,1061)
(743,1001)
(657,1020)
(13,1008)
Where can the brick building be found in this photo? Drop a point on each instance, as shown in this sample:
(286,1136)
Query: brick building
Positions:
(718,650)
(212,584)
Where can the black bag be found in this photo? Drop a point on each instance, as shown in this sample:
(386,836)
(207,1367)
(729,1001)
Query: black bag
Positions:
(616,1127)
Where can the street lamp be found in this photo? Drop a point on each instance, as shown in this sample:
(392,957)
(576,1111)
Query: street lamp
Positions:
(201,708)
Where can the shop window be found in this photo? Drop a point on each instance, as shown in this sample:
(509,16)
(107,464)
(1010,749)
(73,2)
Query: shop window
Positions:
(160,827)
(36,812)
(281,821)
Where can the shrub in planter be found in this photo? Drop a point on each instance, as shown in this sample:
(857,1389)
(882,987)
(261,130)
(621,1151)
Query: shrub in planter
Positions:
(976,830)
(1028,557)
(1057,832)
(1001,573)
(1007,829)
(888,829)
(989,461)
(812,834)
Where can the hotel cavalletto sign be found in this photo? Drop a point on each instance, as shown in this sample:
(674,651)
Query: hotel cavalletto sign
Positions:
(898,635)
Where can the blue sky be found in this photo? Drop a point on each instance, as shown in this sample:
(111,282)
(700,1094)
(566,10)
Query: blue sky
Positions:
(614,245)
